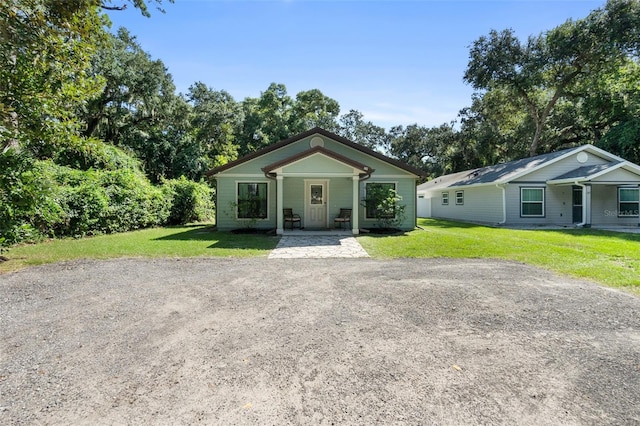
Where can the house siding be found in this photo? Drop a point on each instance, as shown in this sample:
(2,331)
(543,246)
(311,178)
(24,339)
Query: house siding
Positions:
(315,167)
(405,187)
(227,191)
(561,167)
(481,204)
(557,205)
(604,207)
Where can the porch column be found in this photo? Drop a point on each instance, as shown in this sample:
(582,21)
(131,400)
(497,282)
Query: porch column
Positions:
(279,198)
(356,202)
(586,206)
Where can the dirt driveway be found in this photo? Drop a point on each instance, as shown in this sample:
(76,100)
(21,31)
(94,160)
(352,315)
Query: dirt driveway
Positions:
(334,341)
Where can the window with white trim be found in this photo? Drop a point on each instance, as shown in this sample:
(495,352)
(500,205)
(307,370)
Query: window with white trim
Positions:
(459,198)
(628,202)
(252,200)
(445,198)
(532,202)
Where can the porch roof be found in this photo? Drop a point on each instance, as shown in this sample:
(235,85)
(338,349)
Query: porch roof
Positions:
(594,172)
(362,169)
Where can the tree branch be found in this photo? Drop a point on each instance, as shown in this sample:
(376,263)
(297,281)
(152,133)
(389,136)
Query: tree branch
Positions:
(119,8)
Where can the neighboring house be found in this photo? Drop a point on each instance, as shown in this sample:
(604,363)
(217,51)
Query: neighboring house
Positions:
(581,186)
(315,173)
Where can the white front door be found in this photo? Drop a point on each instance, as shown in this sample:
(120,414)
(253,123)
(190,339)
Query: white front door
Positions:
(315,204)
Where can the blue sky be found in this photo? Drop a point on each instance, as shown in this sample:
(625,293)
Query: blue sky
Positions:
(397,62)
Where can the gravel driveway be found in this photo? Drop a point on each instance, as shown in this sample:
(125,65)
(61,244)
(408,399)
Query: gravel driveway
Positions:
(314,341)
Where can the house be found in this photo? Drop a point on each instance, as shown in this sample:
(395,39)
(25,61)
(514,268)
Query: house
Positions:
(315,173)
(580,186)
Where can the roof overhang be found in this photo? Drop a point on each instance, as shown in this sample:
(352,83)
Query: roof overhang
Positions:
(354,168)
(587,175)
(322,132)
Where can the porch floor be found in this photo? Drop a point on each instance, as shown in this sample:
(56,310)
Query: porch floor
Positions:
(317,232)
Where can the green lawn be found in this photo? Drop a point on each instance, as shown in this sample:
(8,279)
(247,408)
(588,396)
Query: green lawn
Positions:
(612,258)
(183,241)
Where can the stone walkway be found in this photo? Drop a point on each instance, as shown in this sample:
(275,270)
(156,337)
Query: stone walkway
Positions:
(317,246)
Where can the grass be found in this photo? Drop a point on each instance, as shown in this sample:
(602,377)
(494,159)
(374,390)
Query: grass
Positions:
(182,241)
(611,258)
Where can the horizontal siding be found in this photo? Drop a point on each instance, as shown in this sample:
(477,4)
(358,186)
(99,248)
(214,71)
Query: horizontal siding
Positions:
(226,193)
(255,165)
(604,207)
(619,175)
(406,188)
(559,168)
(481,204)
(558,205)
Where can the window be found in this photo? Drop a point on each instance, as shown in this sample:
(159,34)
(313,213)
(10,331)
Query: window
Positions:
(628,202)
(445,198)
(252,200)
(459,198)
(532,202)
(375,193)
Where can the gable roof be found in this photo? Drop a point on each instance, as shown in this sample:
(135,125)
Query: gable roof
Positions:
(322,132)
(509,171)
(323,151)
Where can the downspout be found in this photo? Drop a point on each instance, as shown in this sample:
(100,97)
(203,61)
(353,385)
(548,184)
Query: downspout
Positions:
(503,186)
(584,204)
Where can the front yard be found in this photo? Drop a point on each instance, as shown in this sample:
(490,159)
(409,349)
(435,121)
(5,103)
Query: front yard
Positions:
(610,258)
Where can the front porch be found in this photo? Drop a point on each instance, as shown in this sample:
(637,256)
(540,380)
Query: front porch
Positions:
(316,184)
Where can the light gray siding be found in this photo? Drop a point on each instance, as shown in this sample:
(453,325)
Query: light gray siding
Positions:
(558,205)
(561,167)
(481,204)
(604,207)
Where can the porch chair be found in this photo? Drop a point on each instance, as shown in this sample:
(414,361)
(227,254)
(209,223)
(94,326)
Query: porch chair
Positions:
(343,218)
(291,218)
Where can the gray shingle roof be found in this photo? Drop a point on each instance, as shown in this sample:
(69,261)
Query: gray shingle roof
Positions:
(492,174)
(585,171)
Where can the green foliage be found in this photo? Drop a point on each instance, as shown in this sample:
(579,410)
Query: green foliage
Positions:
(383,204)
(28,206)
(190,201)
(547,70)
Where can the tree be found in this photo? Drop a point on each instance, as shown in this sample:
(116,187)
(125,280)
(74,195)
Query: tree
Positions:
(541,71)
(139,110)
(422,147)
(45,49)
(353,127)
(216,120)
(313,109)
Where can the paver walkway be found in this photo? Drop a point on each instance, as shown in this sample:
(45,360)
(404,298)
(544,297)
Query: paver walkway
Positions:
(317,246)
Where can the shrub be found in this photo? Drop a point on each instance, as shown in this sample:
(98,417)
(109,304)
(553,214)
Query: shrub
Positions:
(28,206)
(190,201)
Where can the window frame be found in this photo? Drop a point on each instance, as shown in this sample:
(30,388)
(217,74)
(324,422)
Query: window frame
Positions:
(620,202)
(366,209)
(445,198)
(266,200)
(459,198)
(542,203)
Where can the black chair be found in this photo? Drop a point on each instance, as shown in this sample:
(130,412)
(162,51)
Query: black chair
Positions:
(343,218)
(291,218)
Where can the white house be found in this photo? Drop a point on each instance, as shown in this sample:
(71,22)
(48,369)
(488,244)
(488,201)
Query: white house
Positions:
(580,186)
